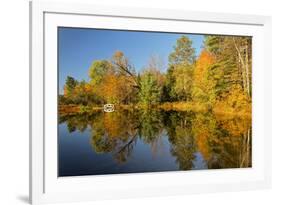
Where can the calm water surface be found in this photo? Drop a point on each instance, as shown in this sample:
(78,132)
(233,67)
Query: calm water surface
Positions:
(150,141)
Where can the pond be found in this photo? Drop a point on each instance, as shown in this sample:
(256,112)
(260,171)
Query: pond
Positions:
(137,141)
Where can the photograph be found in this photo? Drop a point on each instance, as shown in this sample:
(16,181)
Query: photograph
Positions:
(151,101)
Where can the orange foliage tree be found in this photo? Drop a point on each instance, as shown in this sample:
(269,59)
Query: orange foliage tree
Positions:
(203,86)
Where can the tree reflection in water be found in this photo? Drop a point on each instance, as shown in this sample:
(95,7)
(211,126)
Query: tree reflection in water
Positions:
(222,141)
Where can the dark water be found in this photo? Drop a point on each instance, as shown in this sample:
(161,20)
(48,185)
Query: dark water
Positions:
(151,141)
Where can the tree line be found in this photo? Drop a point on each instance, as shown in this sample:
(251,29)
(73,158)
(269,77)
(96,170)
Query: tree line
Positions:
(219,79)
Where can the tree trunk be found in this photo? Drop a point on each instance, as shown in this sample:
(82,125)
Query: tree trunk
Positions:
(247,69)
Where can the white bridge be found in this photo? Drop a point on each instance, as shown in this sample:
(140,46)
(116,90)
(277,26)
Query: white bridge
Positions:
(108,108)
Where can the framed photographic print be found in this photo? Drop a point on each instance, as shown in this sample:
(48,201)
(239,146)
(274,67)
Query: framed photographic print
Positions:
(129,102)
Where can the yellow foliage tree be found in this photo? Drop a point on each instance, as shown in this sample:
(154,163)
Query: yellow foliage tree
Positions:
(235,102)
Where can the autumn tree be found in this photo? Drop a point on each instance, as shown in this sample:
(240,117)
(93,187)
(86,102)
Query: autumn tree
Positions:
(233,61)
(180,64)
(183,78)
(234,102)
(219,75)
(203,87)
(124,67)
(83,93)
(113,81)
(231,72)
(113,89)
(183,52)
(97,71)
(243,50)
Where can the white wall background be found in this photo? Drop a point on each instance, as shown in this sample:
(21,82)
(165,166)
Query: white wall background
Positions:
(14,100)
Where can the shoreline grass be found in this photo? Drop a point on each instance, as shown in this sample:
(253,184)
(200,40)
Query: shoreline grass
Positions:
(175,106)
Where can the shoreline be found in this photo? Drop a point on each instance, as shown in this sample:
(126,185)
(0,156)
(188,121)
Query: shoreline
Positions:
(64,110)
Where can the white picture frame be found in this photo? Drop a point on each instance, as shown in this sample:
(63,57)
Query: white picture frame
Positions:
(46,187)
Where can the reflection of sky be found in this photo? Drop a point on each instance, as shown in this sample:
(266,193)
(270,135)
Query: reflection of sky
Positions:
(78,48)
(78,157)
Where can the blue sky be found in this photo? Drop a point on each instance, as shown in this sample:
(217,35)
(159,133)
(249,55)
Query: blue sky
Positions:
(78,48)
